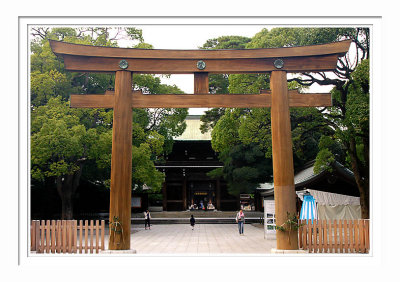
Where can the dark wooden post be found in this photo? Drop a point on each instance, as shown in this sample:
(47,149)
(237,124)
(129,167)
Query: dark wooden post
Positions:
(218,194)
(282,155)
(201,83)
(121,161)
(184,193)
(164,192)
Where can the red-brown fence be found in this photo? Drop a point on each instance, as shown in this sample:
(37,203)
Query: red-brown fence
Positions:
(334,236)
(66,236)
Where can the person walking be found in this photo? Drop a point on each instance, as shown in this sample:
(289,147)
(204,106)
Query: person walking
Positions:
(147,218)
(192,221)
(240,221)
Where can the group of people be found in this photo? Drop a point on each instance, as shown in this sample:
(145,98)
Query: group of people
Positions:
(201,206)
(240,219)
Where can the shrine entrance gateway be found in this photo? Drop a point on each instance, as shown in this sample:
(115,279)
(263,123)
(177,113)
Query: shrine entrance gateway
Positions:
(124,62)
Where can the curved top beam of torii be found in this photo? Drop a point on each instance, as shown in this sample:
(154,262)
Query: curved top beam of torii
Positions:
(87,58)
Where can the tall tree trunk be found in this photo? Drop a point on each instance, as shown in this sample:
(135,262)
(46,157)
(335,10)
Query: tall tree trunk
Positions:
(67,207)
(66,187)
(361,180)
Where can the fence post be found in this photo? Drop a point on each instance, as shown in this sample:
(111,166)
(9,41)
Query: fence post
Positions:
(309,231)
(97,236)
(86,235)
(367,235)
(320,242)
(75,235)
(91,236)
(362,236)
(356,237)
(300,234)
(53,236)
(80,235)
(103,229)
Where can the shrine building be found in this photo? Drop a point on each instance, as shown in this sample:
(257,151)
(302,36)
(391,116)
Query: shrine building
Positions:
(186,167)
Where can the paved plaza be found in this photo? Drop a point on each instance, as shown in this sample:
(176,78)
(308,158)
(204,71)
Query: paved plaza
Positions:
(205,239)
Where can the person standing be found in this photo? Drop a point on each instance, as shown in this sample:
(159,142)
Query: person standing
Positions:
(240,221)
(192,221)
(147,218)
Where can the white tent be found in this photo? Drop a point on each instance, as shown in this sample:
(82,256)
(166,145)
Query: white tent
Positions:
(334,206)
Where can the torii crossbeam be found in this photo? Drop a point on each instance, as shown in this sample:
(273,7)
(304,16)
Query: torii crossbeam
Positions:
(125,61)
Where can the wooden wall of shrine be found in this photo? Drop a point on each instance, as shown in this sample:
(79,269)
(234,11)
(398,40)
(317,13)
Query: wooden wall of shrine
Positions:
(186,180)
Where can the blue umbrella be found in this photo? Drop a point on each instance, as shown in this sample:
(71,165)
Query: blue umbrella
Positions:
(308,208)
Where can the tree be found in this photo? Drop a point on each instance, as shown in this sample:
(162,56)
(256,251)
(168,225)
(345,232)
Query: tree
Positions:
(346,123)
(68,144)
(218,83)
(59,147)
(245,167)
(349,115)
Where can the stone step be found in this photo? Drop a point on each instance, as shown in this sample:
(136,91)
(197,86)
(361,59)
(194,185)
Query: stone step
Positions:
(182,217)
(199,214)
(199,220)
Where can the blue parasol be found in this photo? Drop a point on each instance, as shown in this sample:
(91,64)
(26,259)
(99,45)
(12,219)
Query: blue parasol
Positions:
(308,208)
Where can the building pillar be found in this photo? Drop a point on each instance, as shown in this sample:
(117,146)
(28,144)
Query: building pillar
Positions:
(218,194)
(164,193)
(184,194)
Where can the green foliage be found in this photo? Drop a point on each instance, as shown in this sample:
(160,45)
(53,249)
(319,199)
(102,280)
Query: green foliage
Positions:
(66,141)
(323,161)
(56,140)
(255,128)
(144,171)
(235,127)
(210,118)
(357,106)
(291,223)
(247,83)
(218,83)
(245,167)
(225,133)
(290,37)
(135,34)
(226,42)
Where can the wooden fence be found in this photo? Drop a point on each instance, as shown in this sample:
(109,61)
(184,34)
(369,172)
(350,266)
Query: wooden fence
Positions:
(334,236)
(66,236)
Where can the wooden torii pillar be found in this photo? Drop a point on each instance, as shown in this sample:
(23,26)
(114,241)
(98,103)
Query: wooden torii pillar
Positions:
(124,61)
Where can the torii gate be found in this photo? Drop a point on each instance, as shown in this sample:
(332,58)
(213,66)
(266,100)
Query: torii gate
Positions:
(125,61)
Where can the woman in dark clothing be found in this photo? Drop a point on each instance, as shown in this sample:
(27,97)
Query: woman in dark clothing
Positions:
(147,218)
(192,221)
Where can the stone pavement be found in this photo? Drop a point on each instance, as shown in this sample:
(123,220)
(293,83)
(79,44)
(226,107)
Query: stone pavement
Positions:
(205,239)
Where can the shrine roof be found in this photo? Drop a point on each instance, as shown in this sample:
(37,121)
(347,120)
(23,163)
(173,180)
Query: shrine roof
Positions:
(192,131)
(307,175)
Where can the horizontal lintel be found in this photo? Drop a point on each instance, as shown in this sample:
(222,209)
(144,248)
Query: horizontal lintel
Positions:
(189,66)
(262,100)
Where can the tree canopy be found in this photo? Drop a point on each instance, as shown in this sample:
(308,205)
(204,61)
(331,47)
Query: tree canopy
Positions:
(69,144)
(337,133)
